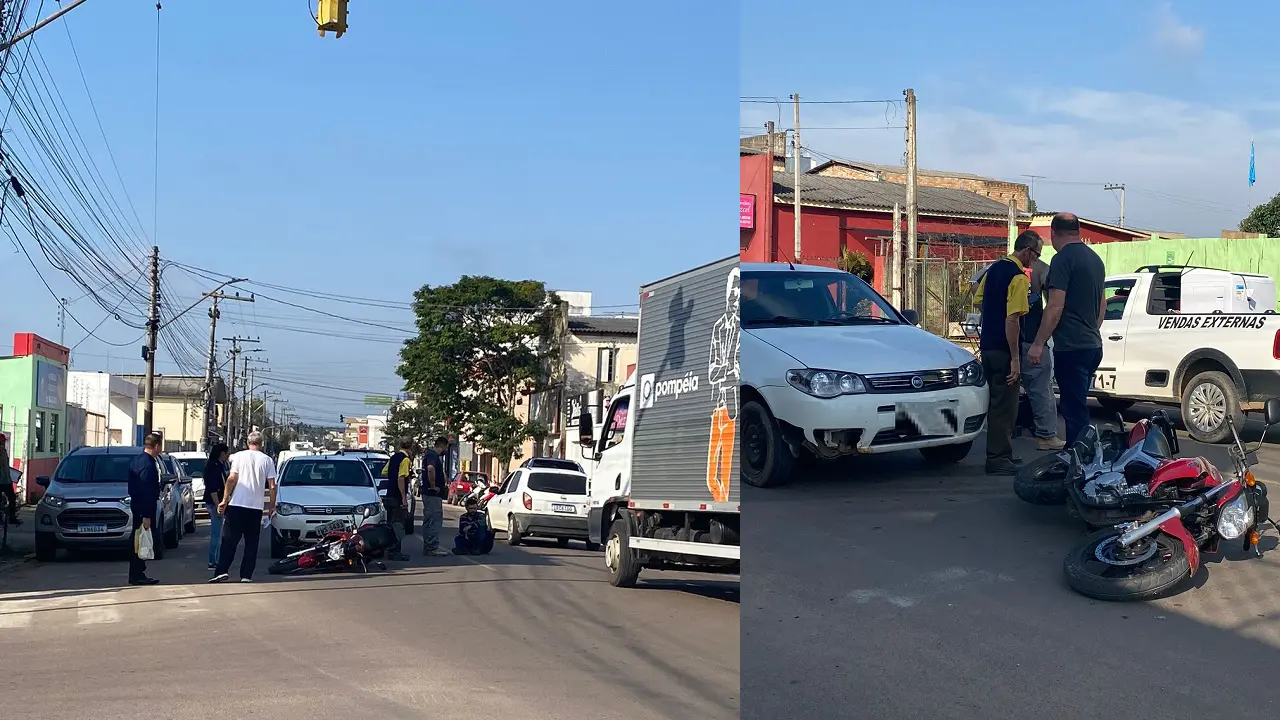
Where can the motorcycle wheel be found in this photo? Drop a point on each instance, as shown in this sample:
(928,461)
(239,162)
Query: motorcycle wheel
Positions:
(283,567)
(1096,569)
(1042,481)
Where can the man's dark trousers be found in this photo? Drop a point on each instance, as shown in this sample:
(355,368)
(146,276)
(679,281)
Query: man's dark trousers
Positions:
(137,566)
(240,522)
(1002,411)
(1074,369)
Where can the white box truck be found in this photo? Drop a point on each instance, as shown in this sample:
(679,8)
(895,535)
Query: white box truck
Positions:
(663,475)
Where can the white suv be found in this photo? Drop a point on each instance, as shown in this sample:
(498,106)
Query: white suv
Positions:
(830,368)
(315,489)
(542,502)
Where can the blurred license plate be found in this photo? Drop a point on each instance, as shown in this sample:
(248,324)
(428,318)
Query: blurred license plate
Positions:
(95,528)
(564,508)
(330,526)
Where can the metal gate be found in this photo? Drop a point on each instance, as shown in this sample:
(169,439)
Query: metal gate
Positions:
(944,295)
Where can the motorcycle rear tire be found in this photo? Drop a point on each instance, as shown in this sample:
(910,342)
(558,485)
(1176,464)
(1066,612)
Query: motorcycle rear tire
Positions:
(1144,586)
(1031,484)
(283,567)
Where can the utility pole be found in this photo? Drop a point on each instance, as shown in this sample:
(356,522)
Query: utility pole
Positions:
(62,315)
(769,237)
(31,30)
(1120,187)
(895,271)
(210,404)
(153,332)
(912,210)
(229,413)
(1013,222)
(796,160)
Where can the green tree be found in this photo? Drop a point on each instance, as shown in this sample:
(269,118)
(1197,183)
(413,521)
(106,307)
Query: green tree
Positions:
(482,343)
(414,421)
(1265,219)
(856,263)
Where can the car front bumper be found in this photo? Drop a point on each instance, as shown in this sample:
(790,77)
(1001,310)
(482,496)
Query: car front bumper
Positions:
(65,525)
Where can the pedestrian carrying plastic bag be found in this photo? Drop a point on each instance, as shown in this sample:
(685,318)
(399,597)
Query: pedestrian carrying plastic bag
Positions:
(144,544)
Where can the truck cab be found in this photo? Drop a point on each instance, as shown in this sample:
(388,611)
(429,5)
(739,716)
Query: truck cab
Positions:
(607,461)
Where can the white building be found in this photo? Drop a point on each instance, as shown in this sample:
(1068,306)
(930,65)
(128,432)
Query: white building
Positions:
(110,397)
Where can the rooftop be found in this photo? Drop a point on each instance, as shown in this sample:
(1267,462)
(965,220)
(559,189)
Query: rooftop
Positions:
(880,168)
(597,325)
(878,195)
(180,386)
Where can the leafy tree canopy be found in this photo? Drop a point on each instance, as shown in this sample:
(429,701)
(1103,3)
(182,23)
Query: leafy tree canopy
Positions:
(414,421)
(1264,219)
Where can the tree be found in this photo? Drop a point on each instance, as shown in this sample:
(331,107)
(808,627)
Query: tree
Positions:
(856,263)
(482,344)
(414,421)
(1265,219)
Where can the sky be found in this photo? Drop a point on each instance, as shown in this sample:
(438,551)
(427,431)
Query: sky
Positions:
(1163,97)
(582,144)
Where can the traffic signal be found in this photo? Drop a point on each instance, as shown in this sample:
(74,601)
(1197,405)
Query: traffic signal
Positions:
(331,15)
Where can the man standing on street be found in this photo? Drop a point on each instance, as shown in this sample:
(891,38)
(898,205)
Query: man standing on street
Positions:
(6,482)
(1038,378)
(1073,318)
(397,472)
(433,492)
(253,474)
(1002,296)
(144,494)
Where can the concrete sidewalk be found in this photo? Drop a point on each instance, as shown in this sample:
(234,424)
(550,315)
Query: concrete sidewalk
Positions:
(22,541)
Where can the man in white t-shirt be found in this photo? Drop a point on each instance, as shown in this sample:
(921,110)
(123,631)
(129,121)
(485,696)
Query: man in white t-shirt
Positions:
(253,474)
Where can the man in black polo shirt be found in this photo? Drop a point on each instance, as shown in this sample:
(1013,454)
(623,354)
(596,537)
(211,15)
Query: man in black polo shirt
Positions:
(397,473)
(1003,296)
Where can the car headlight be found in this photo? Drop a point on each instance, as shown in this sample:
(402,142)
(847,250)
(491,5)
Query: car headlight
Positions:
(1235,517)
(126,501)
(825,383)
(371,508)
(971,374)
(53,501)
(288,509)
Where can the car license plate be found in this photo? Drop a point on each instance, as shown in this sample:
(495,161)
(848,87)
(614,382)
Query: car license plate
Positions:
(95,528)
(1103,381)
(330,526)
(564,508)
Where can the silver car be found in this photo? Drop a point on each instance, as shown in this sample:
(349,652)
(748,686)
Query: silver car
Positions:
(86,504)
(186,493)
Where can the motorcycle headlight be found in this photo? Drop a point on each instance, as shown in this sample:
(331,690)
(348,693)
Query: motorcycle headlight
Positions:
(971,374)
(53,501)
(288,509)
(825,383)
(1235,518)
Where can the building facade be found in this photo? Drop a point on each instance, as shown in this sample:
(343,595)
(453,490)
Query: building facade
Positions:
(179,410)
(33,408)
(113,399)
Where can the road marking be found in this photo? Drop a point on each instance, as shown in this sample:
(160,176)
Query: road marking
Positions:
(13,621)
(101,613)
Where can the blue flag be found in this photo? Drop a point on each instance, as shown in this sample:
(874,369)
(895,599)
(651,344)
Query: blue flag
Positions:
(1252,175)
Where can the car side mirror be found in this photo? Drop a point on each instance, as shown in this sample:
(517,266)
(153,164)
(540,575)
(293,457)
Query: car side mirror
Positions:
(911,316)
(586,430)
(43,481)
(1271,411)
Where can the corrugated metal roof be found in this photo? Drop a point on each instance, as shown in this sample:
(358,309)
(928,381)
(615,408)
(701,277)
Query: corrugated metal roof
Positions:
(179,386)
(882,195)
(591,325)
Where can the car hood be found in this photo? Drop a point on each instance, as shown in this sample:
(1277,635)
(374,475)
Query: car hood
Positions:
(865,349)
(327,495)
(89,491)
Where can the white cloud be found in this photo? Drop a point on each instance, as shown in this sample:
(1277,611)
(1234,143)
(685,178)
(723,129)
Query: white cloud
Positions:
(1175,36)
(1185,164)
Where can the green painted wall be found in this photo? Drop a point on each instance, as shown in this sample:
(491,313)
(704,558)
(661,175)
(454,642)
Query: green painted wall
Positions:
(17,392)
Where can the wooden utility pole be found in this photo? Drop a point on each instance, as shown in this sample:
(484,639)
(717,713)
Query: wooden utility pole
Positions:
(229,413)
(895,270)
(795,157)
(1120,187)
(149,353)
(210,402)
(912,210)
(766,222)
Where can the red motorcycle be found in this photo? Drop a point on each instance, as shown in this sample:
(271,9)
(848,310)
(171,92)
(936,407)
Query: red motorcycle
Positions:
(341,547)
(1144,559)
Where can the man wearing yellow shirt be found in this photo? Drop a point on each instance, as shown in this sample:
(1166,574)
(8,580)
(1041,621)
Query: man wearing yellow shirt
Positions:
(397,473)
(1002,297)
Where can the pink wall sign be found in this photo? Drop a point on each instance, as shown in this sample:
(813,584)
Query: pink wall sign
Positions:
(746,211)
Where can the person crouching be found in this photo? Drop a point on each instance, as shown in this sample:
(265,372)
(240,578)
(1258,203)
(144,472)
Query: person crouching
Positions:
(474,537)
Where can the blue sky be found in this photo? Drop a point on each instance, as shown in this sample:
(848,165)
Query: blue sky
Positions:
(1163,97)
(578,143)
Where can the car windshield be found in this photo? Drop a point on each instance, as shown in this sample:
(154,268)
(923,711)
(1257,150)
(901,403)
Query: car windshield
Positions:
(194,467)
(775,299)
(94,468)
(558,483)
(330,474)
(376,464)
(555,463)
(474,477)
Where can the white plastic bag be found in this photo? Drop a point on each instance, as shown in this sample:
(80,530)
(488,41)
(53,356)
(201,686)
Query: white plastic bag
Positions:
(144,544)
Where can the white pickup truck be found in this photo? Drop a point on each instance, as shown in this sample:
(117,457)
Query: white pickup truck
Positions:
(1208,340)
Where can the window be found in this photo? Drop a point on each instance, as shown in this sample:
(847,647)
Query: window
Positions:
(616,426)
(1116,293)
(1166,294)
(606,360)
(40,432)
(775,298)
(53,432)
(558,483)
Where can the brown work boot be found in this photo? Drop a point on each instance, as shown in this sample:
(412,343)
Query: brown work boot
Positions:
(1050,443)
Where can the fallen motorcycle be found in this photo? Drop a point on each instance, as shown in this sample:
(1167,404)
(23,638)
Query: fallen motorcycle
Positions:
(1143,560)
(1127,488)
(341,547)
(1044,481)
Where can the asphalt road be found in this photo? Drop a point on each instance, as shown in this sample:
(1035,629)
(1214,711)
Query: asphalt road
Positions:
(528,632)
(880,589)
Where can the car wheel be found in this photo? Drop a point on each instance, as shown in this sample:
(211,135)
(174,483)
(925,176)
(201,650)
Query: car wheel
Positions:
(157,540)
(171,536)
(562,542)
(513,531)
(1208,400)
(766,459)
(191,523)
(46,547)
(182,526)
(278,549)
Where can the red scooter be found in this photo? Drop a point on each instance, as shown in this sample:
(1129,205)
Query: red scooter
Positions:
(341,547)
(1143,560)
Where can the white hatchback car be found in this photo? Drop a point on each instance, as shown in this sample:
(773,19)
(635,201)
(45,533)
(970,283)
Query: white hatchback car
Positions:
(192,462)
(315,489)
(542,502)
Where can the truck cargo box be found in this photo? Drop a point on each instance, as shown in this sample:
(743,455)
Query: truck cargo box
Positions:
(685,448)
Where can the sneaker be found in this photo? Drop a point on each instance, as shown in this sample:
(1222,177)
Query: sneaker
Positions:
(1050,443)
(438,552)
(222,577)
(245,580)
(144,581)
(1002,466)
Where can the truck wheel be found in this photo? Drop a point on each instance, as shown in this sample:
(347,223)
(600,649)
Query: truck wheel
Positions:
(1115,405)
(766,459)
(1208,400)
(946,454)
(623,568)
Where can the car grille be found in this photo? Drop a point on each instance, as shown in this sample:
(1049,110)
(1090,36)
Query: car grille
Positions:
(329,509)
(74,517)
(902,382)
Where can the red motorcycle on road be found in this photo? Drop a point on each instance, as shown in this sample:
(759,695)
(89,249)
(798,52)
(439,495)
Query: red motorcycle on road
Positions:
(1144,559)
(341,547)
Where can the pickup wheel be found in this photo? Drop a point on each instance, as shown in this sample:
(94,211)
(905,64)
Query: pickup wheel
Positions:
(946,454)
(766,459)
(1207,401)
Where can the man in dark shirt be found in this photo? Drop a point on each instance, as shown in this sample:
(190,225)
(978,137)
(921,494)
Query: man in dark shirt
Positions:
(144,494)
(397,472)
(434,489)
(1037,378)
(1002,296)
(1073,318)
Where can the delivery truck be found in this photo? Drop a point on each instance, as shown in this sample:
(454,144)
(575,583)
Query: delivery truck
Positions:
(663,475)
